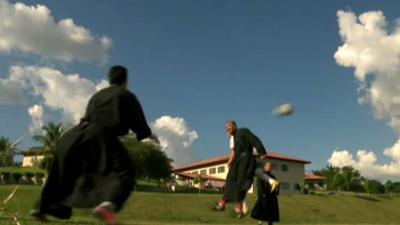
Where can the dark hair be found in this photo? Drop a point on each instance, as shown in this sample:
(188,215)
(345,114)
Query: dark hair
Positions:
(117,75)
(232,122)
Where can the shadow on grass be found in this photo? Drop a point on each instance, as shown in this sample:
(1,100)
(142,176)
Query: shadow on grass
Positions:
(367,198)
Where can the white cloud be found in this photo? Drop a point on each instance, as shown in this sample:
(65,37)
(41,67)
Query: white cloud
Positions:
(175,137)
(373,50)
(32,29)
(66,92)
(366,162)
(341,158)
(36,113)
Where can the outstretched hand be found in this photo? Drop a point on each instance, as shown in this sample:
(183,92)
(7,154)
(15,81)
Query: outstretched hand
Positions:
(154,139)
(264,157)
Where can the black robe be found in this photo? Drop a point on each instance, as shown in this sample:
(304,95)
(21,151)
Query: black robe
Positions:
(90,164)
(241,174)
(266,207)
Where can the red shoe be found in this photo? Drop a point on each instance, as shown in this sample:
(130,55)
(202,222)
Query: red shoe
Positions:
(218,207)
(105,214)
(238,210)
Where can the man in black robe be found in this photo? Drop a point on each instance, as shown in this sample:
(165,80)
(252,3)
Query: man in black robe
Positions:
(242,164)
(266,208)
(91,168)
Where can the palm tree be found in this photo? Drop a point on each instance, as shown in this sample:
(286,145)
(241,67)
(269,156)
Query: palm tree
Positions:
(52,133)
(351,177)
(6,152)
(329,172)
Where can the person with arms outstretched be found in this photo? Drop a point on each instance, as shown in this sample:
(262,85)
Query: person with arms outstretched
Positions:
(91,168)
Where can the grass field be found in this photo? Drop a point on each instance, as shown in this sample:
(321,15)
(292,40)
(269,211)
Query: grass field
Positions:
(194,209)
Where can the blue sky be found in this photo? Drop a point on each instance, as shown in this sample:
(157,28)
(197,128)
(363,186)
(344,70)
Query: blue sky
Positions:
(208,61)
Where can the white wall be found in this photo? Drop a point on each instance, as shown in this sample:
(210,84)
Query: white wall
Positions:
(29,161)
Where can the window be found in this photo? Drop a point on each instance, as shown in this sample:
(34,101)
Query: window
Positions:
(297,186)
(284,167)
(212,171)
(203,171)
(221,169)
(285,186)
(195,172)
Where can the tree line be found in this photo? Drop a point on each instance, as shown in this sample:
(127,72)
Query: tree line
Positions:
(151,162)
(347,178)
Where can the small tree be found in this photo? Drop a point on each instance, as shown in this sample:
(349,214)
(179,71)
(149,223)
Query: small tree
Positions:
(198,180)
(302,185)
(158,165)
(150,160)
(329,172)
(351,177)
(6,152)
(52,133)
(338,182)
(389,187)
(367,186)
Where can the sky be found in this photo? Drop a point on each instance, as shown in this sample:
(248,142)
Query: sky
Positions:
(196,64)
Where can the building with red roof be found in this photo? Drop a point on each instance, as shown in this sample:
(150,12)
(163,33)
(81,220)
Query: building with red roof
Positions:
(289,171)
(312,182)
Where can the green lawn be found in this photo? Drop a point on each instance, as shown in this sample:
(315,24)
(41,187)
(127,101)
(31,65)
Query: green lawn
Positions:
(21,169)
(194,209)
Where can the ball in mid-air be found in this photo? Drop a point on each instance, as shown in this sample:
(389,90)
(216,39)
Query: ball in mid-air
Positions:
(286,109)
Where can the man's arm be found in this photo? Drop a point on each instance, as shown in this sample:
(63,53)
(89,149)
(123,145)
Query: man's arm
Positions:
(255,142)
(231,157)
(138,120)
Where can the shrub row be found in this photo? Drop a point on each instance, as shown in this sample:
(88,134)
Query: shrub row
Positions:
(27,177)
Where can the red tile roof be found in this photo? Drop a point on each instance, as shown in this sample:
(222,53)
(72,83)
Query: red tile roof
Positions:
(224,159)
(313,177)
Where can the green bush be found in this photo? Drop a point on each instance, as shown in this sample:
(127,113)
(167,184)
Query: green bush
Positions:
(6,176)
(29,175)
(39,177)
(17,176)
(29,172)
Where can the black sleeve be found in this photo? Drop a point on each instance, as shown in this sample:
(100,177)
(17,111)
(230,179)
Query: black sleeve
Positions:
(261,188)
(138,123)
(254,141)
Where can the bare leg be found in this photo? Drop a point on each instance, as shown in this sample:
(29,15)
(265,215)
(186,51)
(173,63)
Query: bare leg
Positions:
(245,209)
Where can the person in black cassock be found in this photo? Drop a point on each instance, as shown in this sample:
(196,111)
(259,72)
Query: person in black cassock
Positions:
(266,208)
(242,164)
(91,168)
